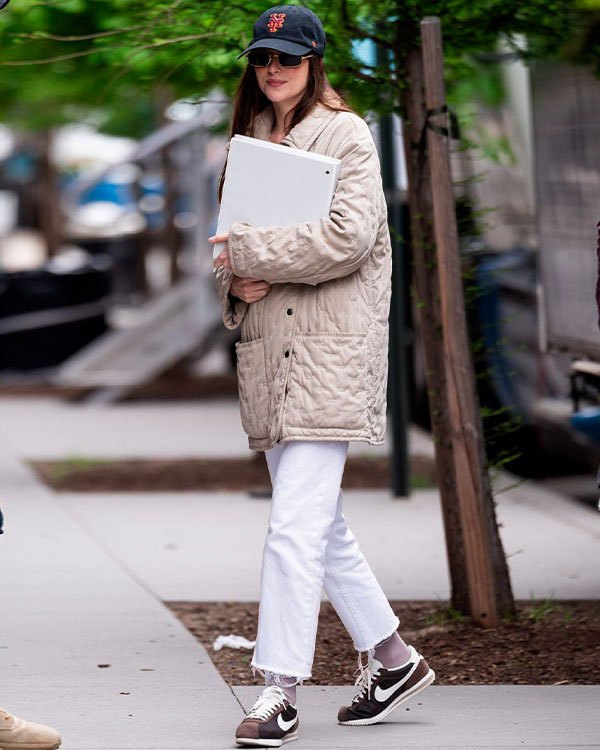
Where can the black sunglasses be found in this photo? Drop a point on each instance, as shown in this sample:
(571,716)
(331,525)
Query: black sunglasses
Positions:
(261,58)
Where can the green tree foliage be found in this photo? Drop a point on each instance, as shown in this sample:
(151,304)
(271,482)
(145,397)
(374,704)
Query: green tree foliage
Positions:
(60,59)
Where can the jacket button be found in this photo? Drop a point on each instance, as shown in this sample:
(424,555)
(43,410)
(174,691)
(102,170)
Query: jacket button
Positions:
(287,354)
(290,311)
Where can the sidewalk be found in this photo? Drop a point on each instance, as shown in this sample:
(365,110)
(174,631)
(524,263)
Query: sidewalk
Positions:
(85,647)
(83,578)
(483,718)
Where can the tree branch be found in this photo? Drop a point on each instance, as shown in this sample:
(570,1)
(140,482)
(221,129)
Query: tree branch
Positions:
(85,53)
(129,65)
(356,31)
(39,36)
(368,78)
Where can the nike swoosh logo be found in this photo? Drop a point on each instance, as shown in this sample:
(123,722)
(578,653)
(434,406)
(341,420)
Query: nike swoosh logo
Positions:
(285,725)
(381,695)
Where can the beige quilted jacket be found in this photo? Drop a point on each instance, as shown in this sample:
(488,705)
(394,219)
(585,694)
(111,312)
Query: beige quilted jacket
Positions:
(312,361)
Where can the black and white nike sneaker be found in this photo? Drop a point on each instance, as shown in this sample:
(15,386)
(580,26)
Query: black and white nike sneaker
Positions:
(271,721)
(382,690)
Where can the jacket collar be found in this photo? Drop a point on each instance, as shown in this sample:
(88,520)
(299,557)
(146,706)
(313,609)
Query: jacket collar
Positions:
(304,134)
(263,124)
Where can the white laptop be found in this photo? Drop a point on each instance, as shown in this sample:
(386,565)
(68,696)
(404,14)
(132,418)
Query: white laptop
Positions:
(267,184)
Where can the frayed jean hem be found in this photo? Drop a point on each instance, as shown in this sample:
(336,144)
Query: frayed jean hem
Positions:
(278,673)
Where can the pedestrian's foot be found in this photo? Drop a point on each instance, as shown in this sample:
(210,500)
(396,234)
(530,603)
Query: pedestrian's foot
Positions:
(18,734)
(272,720)
(382,690)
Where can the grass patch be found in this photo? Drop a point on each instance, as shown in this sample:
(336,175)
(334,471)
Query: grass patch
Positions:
(539,610)
(71,466)
(444,616)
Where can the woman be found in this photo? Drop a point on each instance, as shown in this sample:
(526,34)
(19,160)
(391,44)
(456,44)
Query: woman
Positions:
(312,301)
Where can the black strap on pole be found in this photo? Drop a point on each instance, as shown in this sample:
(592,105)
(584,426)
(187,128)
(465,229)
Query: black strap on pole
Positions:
(429,113)
(453,131)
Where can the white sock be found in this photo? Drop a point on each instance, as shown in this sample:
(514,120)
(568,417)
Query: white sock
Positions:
(287,683)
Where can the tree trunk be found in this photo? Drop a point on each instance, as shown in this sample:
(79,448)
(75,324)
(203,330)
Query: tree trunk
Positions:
(49,211)
(171,235)
(490,593)
(427,295)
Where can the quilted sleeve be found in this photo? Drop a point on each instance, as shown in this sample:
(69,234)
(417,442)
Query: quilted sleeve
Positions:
(325,249)
(233,309)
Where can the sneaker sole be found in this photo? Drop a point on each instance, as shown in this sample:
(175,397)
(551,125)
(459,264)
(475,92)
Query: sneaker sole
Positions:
(267,743)
(421,685)
(28,746)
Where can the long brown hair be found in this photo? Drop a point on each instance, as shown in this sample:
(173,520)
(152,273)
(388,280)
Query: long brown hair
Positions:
(249,101)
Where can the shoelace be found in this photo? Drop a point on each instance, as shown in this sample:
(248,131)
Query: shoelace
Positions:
(267,702)
(365,678)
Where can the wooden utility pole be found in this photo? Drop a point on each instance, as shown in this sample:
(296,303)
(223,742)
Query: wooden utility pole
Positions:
(427,294)
(476,505)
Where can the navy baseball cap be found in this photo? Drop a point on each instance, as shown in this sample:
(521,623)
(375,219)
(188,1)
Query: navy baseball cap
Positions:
(288,28)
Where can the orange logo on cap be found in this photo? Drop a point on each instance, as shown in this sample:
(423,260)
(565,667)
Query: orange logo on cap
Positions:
(275,22)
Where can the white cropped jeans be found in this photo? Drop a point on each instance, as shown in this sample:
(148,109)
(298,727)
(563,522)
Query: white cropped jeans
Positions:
(310,547)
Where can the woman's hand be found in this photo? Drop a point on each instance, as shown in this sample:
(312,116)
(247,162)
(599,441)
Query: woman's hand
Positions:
(249,290)
(221,262)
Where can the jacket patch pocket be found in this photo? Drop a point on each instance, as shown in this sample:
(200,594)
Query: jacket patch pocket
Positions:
(328,382)
(252,384)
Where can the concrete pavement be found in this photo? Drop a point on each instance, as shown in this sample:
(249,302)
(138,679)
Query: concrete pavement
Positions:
(85,647)
(86,644)
(174,542)
(493,717)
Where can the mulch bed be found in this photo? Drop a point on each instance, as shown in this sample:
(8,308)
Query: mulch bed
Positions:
(233,475)
(174,385)
(548,643)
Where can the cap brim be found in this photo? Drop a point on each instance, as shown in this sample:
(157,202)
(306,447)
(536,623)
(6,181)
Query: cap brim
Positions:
(279,45)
